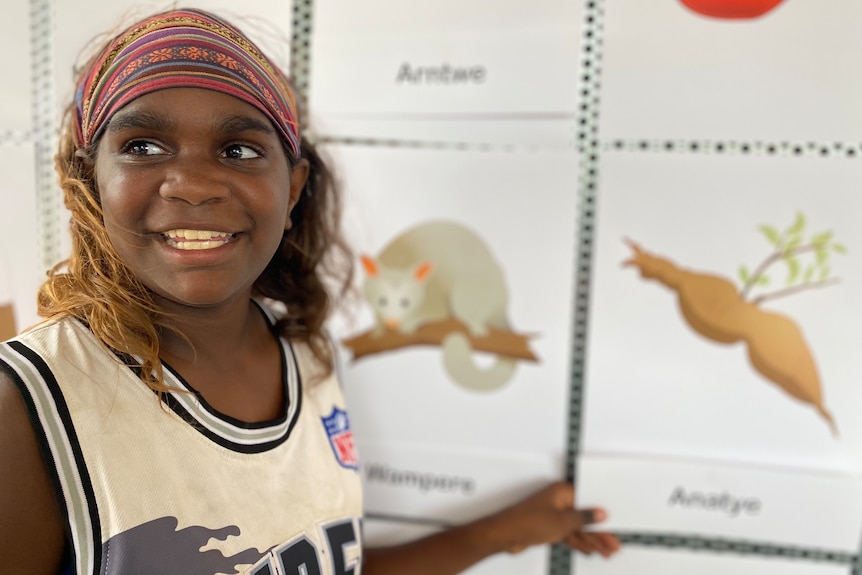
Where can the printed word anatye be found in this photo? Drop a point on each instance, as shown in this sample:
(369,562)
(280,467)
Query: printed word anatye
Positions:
(724,501)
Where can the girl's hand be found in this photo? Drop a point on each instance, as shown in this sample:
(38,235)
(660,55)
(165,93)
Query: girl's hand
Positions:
(546,516)
(549,516)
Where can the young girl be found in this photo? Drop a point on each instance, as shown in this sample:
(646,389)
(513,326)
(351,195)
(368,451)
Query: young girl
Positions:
(174,412)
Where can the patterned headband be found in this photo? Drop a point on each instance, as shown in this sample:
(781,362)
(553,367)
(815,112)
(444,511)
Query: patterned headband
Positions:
(183,48)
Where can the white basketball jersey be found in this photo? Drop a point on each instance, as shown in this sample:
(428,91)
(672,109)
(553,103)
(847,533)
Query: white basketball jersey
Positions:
(176,488)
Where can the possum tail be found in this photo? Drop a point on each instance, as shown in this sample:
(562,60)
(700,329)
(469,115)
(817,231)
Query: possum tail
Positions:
(458,359)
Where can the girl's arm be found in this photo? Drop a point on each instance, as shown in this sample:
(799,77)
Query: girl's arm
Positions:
(547,516)
(31,528)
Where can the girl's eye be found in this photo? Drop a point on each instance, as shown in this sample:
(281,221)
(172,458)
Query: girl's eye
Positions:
(143,148)
(241,152)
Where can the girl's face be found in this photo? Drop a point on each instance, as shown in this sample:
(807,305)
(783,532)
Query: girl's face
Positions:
(196,191)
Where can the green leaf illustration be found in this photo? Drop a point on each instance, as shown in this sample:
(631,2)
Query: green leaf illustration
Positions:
(822,238)
(807,256)
(792,269)
(771,234)
(798,224)
(792,244)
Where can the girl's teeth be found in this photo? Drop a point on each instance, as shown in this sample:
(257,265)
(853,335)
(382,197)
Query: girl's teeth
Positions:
(196,234)
(196,239)
(198,245)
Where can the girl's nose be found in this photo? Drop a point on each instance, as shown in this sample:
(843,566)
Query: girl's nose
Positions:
(195,181)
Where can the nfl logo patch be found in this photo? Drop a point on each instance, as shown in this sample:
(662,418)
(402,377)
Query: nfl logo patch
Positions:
(341,438)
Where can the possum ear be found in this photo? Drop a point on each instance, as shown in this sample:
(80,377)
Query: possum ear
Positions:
(369,265)
(422,271)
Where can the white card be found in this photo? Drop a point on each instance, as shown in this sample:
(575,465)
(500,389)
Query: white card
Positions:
(432,449)
(668,72)
(443,60)
(655,385)
(522,206)
(445,485)
(776,506)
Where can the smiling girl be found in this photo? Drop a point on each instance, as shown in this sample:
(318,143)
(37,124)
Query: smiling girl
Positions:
(177,412)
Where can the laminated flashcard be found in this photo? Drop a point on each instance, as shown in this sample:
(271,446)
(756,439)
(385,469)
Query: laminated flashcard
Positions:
(85,24)
(723,324)
(738,70)
(635,559)
(709,499)
(413,491)
(460,326)
(381,71)
(20,260)
(440,484)
(17,109)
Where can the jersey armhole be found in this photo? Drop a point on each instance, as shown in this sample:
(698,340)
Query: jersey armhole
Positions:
(61,454)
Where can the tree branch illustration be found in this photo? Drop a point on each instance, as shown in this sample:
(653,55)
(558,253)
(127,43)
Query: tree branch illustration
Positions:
(499,342)
(775,256)
(787,247)
(795,289)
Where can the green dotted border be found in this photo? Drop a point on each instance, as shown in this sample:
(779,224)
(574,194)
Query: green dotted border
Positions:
(734,147)
(588,144)
(300,52)
(697,543)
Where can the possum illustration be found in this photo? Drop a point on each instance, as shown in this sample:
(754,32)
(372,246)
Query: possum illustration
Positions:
(437,271)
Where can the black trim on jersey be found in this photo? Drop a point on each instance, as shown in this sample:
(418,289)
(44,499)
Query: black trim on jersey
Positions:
(177,408)
(238,422)
(65,417)
(191,420)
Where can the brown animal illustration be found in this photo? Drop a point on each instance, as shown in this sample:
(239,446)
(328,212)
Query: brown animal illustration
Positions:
(713,307)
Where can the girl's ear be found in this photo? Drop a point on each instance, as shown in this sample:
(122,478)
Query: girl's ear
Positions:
(298,176)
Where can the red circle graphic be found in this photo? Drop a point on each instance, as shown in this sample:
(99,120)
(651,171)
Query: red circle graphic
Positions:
(733,9)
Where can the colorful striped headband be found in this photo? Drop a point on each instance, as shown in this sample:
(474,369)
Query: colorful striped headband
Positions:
(183,48)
